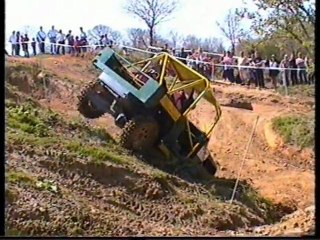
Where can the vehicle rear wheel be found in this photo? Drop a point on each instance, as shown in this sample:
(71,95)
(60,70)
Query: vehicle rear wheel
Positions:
(139,133)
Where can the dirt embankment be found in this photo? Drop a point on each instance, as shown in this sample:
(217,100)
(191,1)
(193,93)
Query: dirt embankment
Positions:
(129,197)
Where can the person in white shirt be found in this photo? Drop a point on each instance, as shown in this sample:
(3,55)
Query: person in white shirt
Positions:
(61,40)
(243,72)
(13,41)
(273,73)
(52,35)
(302,74)
(41,37)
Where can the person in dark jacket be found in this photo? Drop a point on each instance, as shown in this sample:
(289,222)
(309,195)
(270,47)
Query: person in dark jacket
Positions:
(25,45)
(33,45)
(18,40)
(258,62)
(293,72)
(184,55)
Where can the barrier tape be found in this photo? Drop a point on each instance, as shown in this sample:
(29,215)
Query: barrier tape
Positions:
(188,60)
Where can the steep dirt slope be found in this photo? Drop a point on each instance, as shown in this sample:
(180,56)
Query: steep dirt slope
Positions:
(96,192)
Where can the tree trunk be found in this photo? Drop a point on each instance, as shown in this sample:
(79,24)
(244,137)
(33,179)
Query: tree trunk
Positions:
(151,36)
(233,48)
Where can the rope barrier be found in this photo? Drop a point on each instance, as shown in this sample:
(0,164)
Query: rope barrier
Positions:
(244,158)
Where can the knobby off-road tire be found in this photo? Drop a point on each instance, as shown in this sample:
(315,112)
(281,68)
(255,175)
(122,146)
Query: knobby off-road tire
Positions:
(139,134)
(84,104)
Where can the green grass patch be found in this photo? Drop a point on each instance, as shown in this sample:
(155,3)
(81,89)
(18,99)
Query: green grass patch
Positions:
(98,154)
(19,177)
(297,130)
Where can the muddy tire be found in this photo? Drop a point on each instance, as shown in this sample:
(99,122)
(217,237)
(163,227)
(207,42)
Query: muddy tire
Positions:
(139,134)
(84,104)
(210,165)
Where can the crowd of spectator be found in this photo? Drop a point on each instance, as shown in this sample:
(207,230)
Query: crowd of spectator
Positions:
(245,69)
(251,68)
(60,43)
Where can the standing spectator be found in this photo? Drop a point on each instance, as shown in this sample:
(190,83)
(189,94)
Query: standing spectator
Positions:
(285,73)
(125,51)
(207,66)
(77,46)
(110,43)
(200,64)
(41,37)
(310,71)
(224,75)
(258,62)
(301,69)
(228,61)
(273,73)
(293,72)
(18,40)
(33,45)
(25,45)
(52,35)
(13,41)
(70,40)
(184,55)
(105,41)
(243,61)
(252,72)
(100,42)
(60,40)
(165,48)
(83,39)
(22,44)
(196,56)
(189,60)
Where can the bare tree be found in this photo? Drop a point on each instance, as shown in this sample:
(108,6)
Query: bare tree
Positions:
(152,12)
(115,36)
(212,44)
(175,38)
(231,28)
(138,37)
(100,30)
(192,42)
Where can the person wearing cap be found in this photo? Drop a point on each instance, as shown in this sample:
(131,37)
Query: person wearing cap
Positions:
(273,73)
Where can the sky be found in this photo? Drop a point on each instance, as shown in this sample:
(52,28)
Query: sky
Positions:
(196,17)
